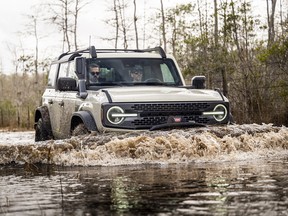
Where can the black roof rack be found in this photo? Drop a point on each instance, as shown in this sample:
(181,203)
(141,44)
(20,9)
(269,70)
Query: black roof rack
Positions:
(93,52)
(90,50)
(155,49)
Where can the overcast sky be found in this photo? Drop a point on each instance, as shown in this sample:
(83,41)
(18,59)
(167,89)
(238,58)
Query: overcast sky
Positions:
(13,25)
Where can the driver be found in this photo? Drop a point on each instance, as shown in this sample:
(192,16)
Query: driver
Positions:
(136,73)
(95,74)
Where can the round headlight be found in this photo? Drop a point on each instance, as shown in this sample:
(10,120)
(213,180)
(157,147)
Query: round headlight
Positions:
(112,115)
(221,111)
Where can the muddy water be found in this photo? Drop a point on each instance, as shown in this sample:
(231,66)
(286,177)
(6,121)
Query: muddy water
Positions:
(232,170)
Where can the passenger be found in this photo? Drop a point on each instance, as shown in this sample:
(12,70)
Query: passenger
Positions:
(136,73)
(95,74)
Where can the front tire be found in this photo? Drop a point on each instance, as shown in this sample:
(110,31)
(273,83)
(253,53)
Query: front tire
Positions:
(80,129)
(41,133)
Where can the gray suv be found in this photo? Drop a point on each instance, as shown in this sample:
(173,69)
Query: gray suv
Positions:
(123,90)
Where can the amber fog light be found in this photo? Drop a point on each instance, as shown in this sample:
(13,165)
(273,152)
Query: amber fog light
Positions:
(220,112)
(113,115)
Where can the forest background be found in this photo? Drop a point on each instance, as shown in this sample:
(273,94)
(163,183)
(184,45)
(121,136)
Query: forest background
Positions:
(242,53)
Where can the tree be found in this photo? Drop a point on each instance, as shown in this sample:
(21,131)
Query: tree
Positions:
(116,23)
(135,25)
(271,22)
(65,14)
(33,30)
(219,63)
(121,23)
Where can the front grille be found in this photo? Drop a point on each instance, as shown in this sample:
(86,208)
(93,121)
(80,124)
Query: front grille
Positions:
(158,113)
(160,107)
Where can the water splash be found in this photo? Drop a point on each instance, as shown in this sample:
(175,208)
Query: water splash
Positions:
(225,143)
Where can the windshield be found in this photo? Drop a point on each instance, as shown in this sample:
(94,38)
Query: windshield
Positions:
(132,71)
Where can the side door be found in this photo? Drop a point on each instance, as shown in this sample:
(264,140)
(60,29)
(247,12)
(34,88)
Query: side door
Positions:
(50,98)
(68,102)
(55,103)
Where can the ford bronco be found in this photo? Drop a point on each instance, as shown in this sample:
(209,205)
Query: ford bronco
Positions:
(128,90)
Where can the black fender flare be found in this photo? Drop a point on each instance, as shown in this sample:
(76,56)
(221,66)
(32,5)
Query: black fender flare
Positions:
(43,112)
(85,117)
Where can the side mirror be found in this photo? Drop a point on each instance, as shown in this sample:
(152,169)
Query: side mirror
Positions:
(198,82)
(80,67)
(66,84)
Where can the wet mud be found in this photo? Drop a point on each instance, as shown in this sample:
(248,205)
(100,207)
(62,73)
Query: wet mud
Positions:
(207,144)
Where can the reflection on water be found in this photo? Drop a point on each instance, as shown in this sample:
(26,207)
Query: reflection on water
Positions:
(229,170)
(240,188)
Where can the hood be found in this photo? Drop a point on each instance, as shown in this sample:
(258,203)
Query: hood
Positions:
(159,93)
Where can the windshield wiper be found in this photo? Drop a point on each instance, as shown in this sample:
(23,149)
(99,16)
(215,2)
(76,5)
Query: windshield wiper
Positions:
(158,83)
(107,84)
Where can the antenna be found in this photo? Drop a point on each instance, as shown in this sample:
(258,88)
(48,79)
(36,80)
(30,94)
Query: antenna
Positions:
(144,25)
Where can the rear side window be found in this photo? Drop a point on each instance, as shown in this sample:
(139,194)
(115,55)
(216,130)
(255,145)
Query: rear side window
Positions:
(71,71)
(52,75)
(63,71)
(67,69)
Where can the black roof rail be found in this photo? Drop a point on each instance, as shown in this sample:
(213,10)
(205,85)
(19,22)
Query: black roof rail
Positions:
(156,49)
(93,52)
(62,55)
(116,50)
(90,50)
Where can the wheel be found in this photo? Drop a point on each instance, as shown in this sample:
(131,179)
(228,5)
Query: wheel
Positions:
(152,80)
(41,133)
(80,129)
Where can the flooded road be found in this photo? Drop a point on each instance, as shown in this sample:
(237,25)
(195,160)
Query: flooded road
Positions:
(231,170)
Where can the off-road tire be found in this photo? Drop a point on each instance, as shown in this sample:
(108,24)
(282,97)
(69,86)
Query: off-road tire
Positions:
(41,133)
(80,129)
